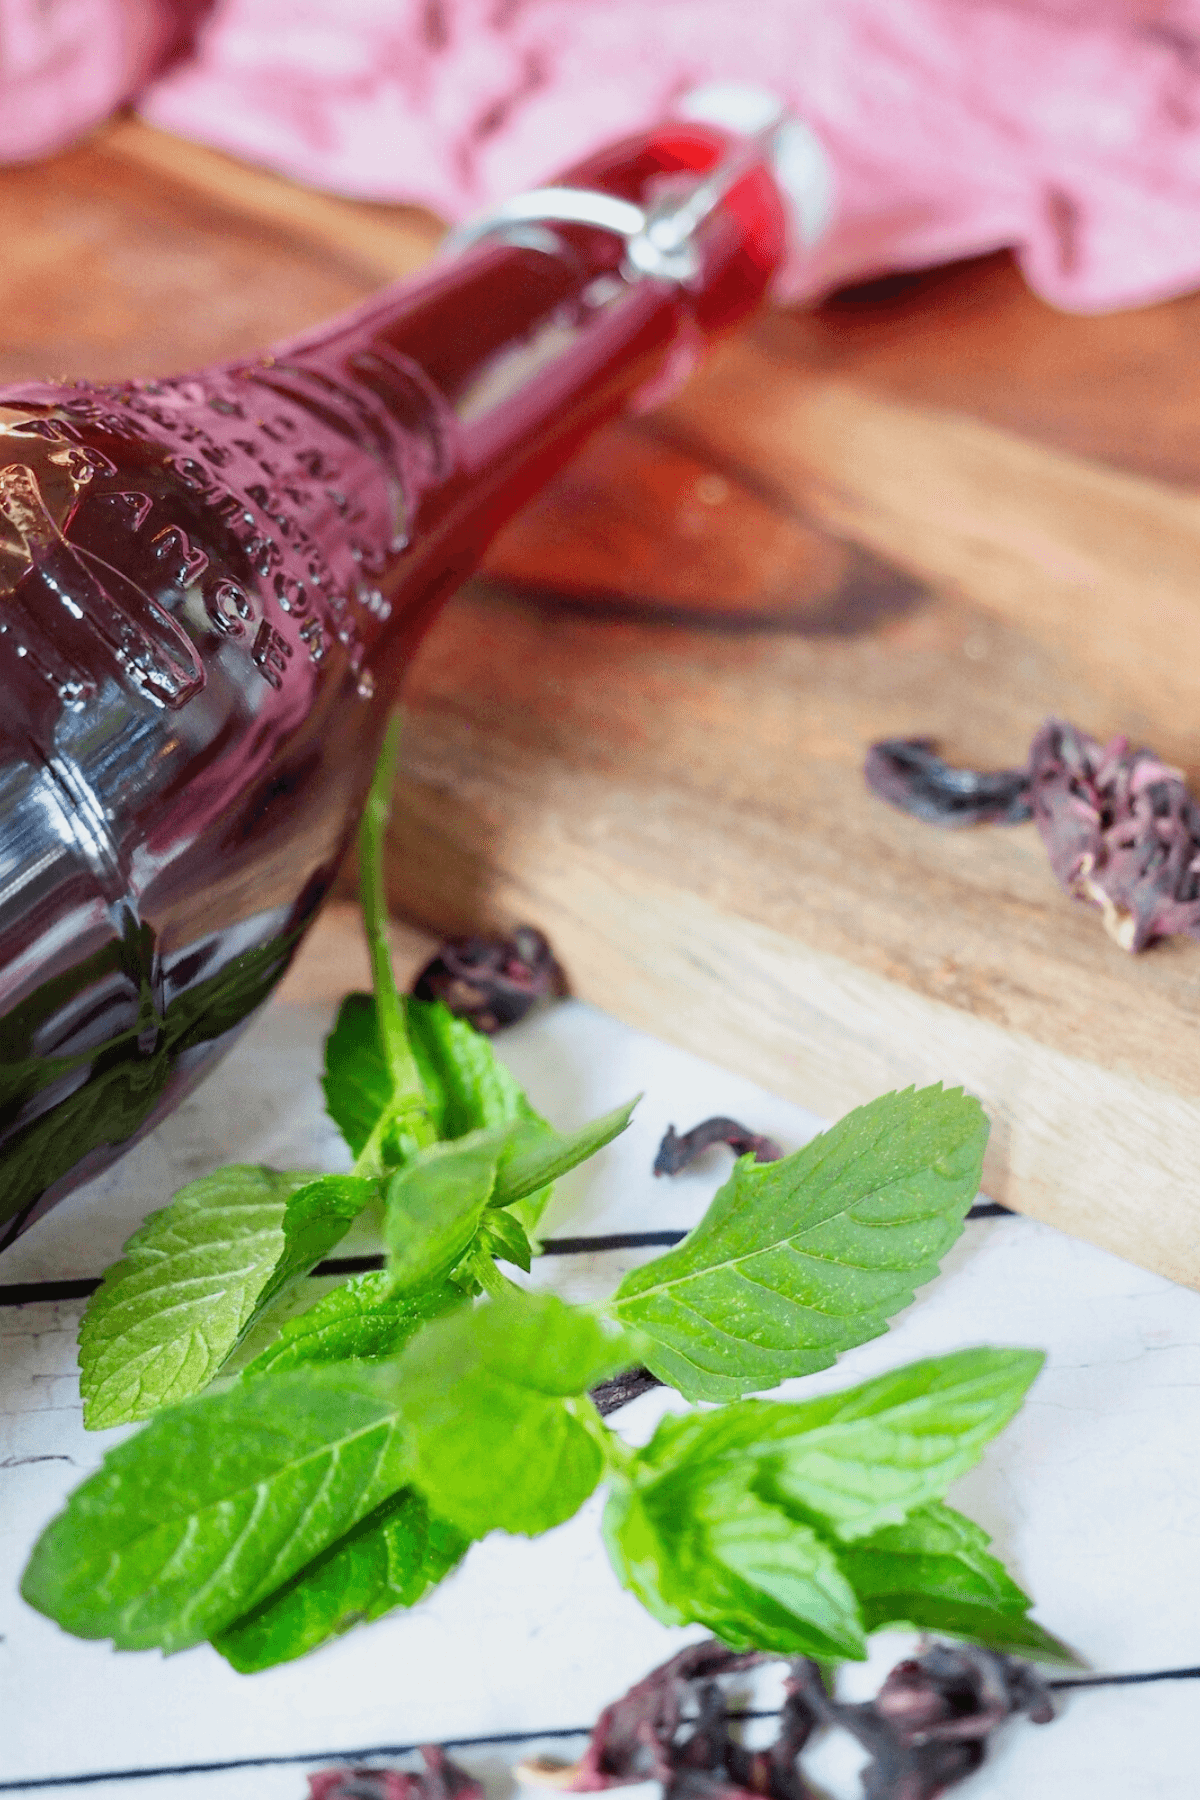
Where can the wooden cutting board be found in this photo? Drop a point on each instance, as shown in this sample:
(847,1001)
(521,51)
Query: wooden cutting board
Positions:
(931,506)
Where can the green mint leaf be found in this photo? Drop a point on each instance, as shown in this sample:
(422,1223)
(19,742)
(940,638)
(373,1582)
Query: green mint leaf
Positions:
(935,1572)
(358,1086)
(316,1219)
(500,1238)
(194,1278)
(469,1089)
(504,1238)
(870,1457)
(710,1551)
(363,1318)
(446,1210)
(466,1088)
(390,1559)
(435,1207)
(537,1156)
(488,1398)
(799,1259)
(193,1522)
(855,1461)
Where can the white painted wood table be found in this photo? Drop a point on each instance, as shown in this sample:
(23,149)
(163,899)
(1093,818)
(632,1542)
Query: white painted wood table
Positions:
(1092,1495)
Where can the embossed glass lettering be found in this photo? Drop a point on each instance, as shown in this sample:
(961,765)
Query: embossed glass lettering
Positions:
(133,504)
(290,594)
(313,638)
(181,562)
(271,654)
(82,464)
(193,474)
(65,590)
(56,431)
(264,554)
(281,428)
(229,607)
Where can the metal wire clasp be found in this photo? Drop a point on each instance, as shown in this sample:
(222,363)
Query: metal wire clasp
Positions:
(660,241)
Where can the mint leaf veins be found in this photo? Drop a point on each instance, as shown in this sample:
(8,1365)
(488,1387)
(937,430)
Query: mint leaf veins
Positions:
(799,1259)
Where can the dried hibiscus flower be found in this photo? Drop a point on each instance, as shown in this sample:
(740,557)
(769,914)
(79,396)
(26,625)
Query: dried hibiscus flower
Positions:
(1119,825)
(926,1729)
(1121,830)
(441,1780)
(670,1727)
(491,982)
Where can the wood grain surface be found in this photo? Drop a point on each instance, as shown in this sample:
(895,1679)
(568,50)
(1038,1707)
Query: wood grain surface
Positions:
(932,505)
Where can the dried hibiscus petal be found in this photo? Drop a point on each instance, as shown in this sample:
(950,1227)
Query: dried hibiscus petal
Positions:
(643,1736)
(927,1727)
(677,1150)
(1121,830)
(611,1395)
(492,982)
(1119,825)
(908,773)
(441,1780)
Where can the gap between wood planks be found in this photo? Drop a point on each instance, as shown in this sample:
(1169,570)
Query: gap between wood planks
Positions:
(1060,1684)
(25,1293)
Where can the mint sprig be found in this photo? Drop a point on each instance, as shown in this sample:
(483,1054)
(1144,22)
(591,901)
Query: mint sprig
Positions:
(760,1521)
(741,1519)
(348,1466)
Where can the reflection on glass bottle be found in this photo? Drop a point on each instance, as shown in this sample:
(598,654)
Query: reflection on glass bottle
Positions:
(210,587)
(66,593)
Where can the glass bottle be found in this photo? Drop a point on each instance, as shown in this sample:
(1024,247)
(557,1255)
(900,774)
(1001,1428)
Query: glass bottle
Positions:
(211,585)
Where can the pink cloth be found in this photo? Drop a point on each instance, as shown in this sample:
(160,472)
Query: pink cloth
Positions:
(1069,129)
(66,64)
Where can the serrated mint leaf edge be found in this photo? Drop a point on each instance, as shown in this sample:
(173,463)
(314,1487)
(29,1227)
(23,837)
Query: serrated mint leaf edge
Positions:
(67,1544)
(662,1282)
(131,1281)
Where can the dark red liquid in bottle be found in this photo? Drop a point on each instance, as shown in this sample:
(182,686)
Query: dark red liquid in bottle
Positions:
(210,587)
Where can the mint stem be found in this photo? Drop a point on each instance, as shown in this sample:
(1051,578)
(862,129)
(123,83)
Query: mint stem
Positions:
(489,1277)
(408,1105)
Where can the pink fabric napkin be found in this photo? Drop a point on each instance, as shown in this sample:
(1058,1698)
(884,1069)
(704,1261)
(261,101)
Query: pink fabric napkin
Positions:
(1069,129)
(65,64)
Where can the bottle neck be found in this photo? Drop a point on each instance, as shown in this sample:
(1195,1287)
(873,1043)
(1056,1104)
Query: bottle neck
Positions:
(481,377)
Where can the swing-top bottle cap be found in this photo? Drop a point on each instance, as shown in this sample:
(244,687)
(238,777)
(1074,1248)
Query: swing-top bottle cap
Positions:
(799,163)
(660,238)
